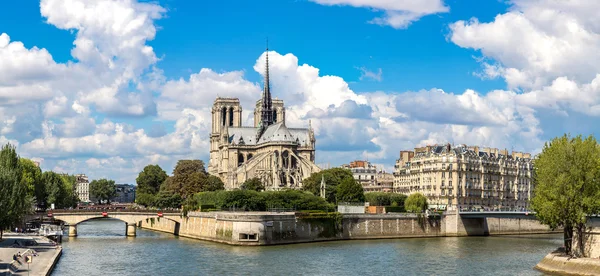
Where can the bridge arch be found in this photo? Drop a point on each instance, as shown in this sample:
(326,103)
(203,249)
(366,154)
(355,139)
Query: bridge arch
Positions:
(132,219)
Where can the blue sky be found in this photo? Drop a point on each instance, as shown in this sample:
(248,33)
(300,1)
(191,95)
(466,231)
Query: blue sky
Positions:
(105,87)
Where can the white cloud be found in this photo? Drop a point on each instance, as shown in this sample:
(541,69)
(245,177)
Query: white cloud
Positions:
(367,74)
(537,41)
(399,14)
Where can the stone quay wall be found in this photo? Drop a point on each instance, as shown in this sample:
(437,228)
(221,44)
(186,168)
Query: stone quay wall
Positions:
(264,228)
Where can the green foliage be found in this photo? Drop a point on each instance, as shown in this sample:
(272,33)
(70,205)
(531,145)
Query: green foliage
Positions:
(333,177)
(350,191)
(165,199)
(145,199)
(395,209)
(416,203)
(253,184)
(567,186)
(13,191)
(32,175)
(56,190)
(385,199)
(70,182)
(258,201)
(294,199)
(188,178)
(150,179)
(213,183)
(103,190)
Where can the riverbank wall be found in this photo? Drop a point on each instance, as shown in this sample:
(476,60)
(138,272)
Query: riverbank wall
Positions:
(264,228)
(557,263)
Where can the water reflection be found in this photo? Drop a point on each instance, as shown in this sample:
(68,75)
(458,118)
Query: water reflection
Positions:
(103,249)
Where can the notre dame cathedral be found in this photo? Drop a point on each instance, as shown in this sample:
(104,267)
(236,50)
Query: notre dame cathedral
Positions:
(278,155)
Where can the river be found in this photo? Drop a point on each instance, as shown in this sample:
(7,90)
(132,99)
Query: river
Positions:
(102,249)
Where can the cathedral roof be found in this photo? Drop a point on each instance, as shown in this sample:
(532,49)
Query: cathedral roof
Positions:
(277,133)
(274,133)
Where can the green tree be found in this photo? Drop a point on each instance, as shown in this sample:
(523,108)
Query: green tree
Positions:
(32,175)
(187,177)
(213,183)
(165,199)
(333,177)
(146,200)
(103,189)
(385,199)
(56,190)
(70,183)
(150,179)
(253,184)
(149,182)
(193,183)
(350,191)
(567,187)
(416,203)
(13,192)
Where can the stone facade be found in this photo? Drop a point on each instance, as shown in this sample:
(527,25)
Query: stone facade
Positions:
(466,177)
(369,177)
(280,156)
(82,187)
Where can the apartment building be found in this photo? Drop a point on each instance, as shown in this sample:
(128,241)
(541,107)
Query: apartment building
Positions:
(82,187)
(372,179)
(466,177)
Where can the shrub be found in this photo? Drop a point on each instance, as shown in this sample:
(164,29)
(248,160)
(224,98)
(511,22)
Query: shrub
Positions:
(394,209)
(257,201)
(385,199)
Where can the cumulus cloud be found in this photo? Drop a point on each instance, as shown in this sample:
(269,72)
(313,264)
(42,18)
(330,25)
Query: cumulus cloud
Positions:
(537,41)
(68,114)
(398,14)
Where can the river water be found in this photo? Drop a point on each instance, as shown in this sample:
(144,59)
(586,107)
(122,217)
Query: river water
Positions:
(103,249)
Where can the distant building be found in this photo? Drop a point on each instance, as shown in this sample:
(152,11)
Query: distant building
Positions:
(369,177)
(82,187)
(37,164)
(466,177)
(125,193)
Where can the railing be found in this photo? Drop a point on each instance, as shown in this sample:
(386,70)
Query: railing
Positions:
(61,211)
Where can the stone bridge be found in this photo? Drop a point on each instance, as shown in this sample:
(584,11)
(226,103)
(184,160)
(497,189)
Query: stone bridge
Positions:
(131,217)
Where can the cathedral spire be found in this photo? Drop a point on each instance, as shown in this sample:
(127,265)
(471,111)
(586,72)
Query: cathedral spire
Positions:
(267,103)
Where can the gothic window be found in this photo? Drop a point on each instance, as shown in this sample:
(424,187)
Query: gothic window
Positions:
(294,162)
(275,116)
(240,159)
(223,116)
(285,156)
(249,156)
(231,116)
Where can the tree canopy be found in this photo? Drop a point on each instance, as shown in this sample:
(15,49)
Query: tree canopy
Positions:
(103,189)
(13,191)
(567,185)
(56,190)
(253,184)
(415,203)
(150,179)
(188,176)
(350,191)
(333,177)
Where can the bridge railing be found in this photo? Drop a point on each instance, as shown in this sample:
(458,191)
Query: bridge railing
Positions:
(58,211)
